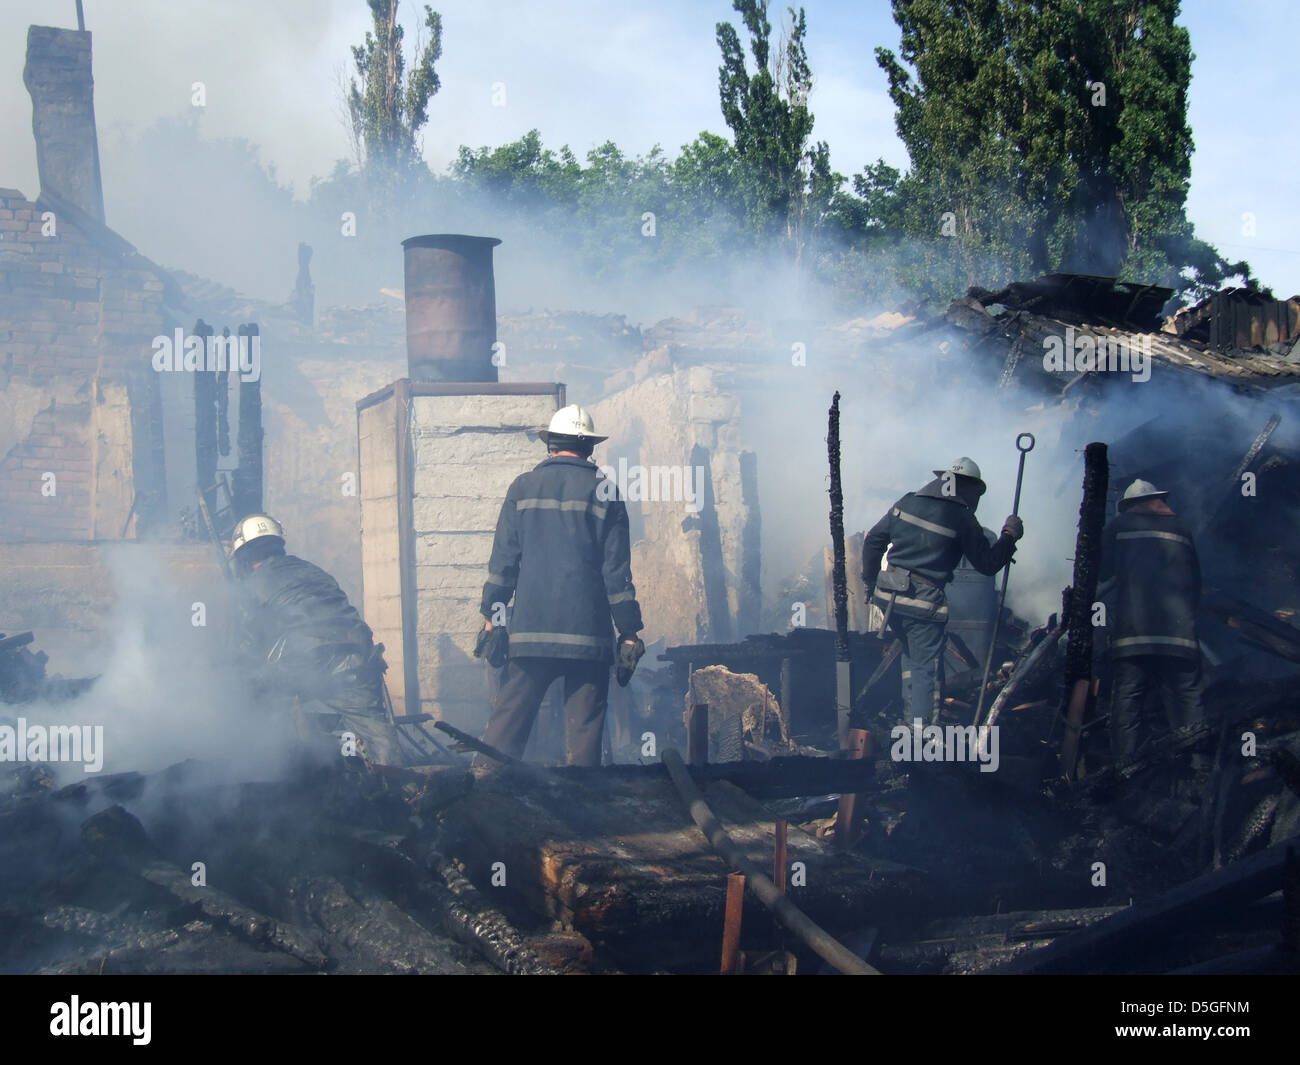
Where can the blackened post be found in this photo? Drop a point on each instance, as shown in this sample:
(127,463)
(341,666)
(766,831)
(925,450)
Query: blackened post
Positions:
(859,741)
(731,923)
(1083,591)
(839,582)
(205,419)
(222,394)
(697,735)
(248,477)
(778,855)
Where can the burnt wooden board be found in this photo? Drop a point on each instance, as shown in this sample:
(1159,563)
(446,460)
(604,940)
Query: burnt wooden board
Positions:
(618,859)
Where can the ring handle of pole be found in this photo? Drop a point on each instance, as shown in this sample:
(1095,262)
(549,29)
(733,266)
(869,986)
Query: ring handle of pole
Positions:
(1025,448)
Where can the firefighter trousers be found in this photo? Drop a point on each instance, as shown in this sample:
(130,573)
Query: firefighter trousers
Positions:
(921,664)
(1179,683)
(586,695)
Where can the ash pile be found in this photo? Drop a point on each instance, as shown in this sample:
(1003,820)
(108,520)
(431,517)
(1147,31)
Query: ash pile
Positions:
(333,869)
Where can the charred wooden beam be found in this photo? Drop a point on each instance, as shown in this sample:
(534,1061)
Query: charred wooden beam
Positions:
(1109,942)
(1256,626)
(17,640)
(205,420)
(1087,563)
(469,917)
(247,479)
(839,580)
(476,745)
(779,778)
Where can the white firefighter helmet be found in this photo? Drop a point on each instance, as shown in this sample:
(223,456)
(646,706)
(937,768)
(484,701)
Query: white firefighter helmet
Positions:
(572,421)
(1138,491)
(255,527)
(964,467)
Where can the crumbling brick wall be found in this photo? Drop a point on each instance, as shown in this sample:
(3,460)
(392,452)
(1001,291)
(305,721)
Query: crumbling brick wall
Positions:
(77,320)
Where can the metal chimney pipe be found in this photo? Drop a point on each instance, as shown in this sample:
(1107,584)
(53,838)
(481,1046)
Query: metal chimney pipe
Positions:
(451,308)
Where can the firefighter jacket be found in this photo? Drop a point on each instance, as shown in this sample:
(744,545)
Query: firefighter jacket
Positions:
(1158,578)
(299,635)
(927,533)
(562,550)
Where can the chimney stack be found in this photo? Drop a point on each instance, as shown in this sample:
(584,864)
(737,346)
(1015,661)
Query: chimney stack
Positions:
(451,308)
(58,77)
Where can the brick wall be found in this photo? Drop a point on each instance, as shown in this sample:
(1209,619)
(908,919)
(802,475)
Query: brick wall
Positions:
(77,322)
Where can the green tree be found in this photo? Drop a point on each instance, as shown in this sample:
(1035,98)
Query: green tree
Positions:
(788,184)
(1049,135)
(388,108)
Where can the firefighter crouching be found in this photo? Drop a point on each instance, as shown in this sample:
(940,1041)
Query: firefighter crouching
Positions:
(302,640)
(1150,561)
(562,551)
(927,532)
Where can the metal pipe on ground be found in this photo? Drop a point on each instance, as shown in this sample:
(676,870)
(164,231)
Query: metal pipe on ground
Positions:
(826,946)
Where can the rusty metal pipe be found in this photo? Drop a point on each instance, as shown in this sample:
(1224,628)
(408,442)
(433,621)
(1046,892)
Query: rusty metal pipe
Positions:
(731,922)
(826,946)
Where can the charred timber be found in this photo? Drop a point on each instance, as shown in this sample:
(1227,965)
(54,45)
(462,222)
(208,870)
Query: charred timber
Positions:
(470,918)
(780,778)
(840,590)
(247,480)
(1083,592)
(1107,944)
(205,422)
(1087,563)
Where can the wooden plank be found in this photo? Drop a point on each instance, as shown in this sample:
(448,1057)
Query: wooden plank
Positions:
(619,860)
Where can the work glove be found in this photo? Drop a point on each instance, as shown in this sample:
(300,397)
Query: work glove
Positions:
(494,645)
(629,654)
(1013,527)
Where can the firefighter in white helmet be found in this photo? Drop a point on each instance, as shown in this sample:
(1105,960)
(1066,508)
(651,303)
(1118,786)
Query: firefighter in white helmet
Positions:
(302,640)
(1149,559)
(562,552)
(927,533)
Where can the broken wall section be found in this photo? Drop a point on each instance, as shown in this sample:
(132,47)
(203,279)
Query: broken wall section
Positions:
(77,392)
(692,497)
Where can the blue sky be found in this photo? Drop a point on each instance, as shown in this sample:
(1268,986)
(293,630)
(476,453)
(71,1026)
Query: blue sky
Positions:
(584,71)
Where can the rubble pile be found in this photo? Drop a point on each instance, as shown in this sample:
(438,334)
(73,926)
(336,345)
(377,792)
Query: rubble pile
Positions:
(329,870)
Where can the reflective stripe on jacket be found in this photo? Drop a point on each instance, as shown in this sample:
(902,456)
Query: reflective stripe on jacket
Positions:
(562,551)
(928,533)
(1158,573)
